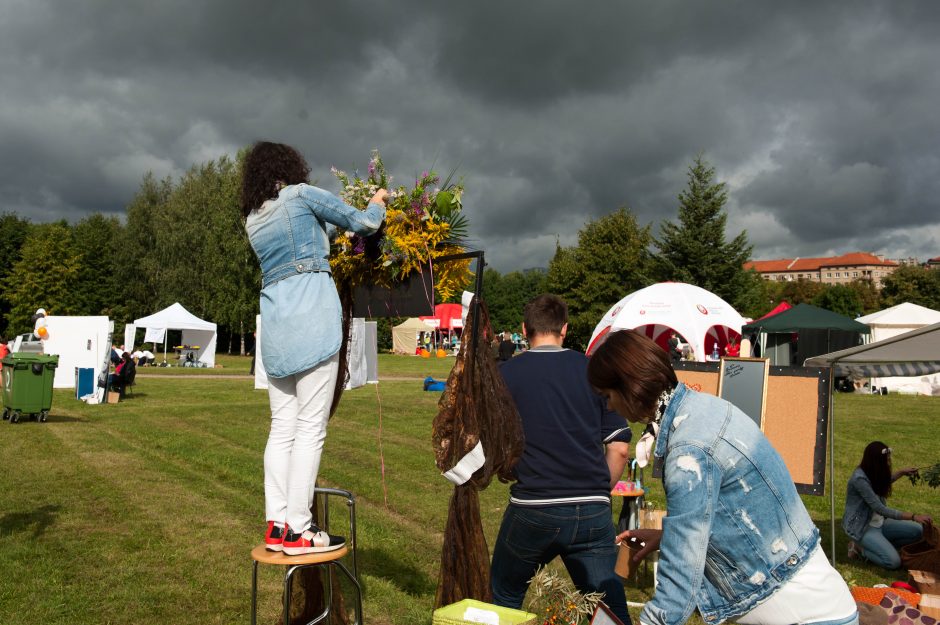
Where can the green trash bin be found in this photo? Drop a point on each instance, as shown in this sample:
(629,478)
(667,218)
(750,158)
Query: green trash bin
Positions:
(27,385)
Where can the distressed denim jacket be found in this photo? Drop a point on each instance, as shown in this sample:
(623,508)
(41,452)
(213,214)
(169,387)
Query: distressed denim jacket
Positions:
(301,316)
(860,501)
(736,530)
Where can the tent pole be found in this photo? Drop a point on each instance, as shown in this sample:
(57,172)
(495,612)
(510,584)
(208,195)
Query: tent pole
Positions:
(832,470)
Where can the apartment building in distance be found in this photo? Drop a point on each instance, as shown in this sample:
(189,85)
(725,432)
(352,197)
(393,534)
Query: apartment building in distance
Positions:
(828,270)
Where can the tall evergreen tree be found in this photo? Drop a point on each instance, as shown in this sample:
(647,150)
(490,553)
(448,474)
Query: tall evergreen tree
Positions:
(694,250)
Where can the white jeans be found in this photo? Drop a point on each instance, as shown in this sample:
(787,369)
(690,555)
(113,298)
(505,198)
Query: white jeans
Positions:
(300,410)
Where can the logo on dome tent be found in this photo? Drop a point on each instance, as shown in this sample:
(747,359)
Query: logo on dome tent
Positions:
(702,309)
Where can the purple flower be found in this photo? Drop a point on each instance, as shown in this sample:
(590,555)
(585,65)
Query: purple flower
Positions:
(359,244)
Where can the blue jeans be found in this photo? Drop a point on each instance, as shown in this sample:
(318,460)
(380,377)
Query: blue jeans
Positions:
(880,544)
(582,534)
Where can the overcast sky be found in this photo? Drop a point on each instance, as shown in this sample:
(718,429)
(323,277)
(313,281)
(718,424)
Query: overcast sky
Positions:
(822,117)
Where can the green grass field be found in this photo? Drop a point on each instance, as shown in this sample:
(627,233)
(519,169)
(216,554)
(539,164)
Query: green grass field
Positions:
(145,511)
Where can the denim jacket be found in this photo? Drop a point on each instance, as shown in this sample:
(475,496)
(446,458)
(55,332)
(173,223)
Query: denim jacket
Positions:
(860,501)
(301,316)
(736,529)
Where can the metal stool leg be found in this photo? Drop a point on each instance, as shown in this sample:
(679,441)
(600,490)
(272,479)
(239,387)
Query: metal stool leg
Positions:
(358,587)
(287,587)
(254,593)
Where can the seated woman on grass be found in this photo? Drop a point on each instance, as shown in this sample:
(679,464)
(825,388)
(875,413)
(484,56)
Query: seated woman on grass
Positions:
(877,531)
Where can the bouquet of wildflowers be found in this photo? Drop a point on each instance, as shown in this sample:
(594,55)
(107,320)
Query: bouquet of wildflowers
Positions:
(422,223)
(555,600)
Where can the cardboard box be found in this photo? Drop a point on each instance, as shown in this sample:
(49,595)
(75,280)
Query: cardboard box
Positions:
(926,582)
(930,605)
(113,397)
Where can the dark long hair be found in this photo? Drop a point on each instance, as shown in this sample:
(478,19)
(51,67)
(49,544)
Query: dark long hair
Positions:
(636,367)
(876,463)
(265,165)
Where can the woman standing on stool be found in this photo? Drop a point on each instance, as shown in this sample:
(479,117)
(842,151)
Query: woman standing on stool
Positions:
(876,530)
(301,315)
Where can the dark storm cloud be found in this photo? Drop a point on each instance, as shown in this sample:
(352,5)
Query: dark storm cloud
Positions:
(819,116)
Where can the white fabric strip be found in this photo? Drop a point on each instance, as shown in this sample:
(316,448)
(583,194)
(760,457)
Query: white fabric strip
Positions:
(467,465)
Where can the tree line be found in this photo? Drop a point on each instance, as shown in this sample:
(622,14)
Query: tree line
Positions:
(181,241)
(184,241)
(616,255)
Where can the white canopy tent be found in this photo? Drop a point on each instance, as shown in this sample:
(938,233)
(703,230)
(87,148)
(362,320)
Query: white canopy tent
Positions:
(913,353)
(405,335)
(195,331)
(699,316)
(897,320)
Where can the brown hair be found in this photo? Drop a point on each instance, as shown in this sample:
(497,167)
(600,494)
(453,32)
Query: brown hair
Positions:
(545,314)
(635,367)
(267,164)
(876,463)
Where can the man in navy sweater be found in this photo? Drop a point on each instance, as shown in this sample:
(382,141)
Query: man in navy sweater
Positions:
(575,452)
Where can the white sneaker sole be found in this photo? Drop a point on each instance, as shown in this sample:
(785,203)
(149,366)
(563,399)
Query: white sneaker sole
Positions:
(299,551)
(277,547)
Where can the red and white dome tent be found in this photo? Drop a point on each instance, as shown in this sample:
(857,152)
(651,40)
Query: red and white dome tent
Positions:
(700,317)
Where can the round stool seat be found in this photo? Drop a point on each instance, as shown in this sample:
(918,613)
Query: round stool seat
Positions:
(262,555)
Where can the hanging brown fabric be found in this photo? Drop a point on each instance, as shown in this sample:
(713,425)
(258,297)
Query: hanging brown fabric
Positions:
(476,408)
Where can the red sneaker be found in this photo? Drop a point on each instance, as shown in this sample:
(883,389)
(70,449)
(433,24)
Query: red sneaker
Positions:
(274,537)
(313,540)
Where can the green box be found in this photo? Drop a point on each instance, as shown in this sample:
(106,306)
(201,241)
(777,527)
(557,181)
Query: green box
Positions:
(453,614)
(27,385)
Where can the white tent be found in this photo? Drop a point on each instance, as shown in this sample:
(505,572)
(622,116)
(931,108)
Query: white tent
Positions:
(914,353)
(405,335)
(897,320)
(195,330)
(700,316)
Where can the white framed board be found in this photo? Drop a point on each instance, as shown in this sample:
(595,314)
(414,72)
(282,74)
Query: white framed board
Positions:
(743,382)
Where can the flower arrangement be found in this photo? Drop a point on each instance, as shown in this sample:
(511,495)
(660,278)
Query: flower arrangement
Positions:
(422,223)
(555,600)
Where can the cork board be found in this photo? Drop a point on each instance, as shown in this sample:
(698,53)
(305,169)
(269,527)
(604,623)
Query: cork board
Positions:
(701,381)
(790,423)
(796,416)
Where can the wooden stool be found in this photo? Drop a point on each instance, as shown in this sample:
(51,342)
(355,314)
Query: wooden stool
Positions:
(327,559)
